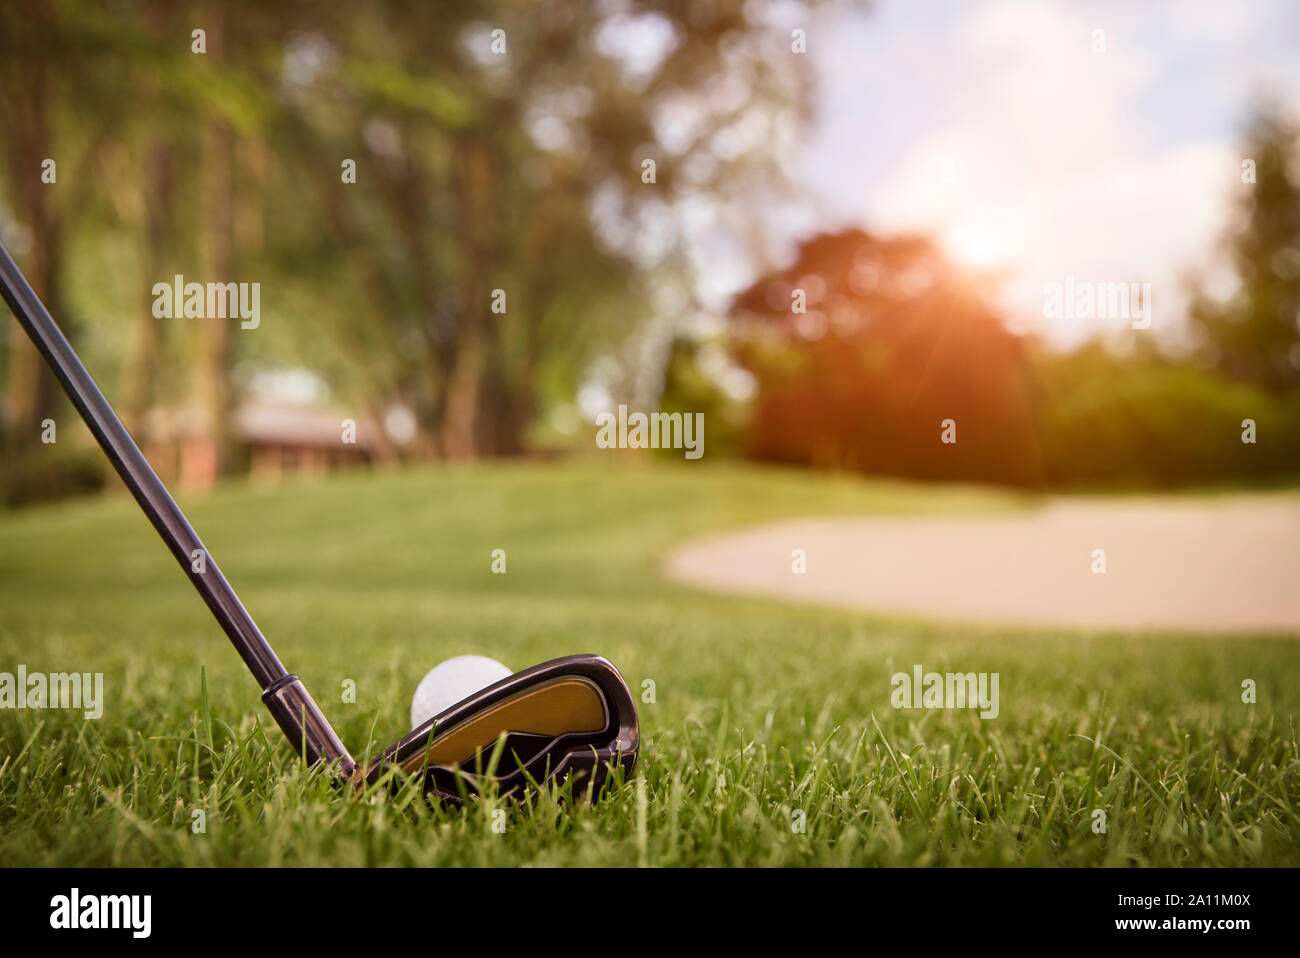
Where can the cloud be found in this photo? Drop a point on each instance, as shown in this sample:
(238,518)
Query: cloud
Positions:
(1013,135)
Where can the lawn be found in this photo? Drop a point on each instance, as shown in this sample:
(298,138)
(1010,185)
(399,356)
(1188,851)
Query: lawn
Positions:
(763,710)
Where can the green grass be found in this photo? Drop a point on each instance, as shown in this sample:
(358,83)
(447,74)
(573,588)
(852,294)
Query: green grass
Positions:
(762,707)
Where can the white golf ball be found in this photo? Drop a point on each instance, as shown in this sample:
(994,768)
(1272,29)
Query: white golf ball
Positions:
(450,681)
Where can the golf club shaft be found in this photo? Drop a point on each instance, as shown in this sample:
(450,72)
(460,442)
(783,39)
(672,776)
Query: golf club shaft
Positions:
(289,702)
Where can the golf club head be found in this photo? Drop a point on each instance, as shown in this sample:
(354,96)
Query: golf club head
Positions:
(571,716)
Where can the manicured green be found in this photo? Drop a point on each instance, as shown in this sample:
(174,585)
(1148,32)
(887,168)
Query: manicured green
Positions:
(761,707)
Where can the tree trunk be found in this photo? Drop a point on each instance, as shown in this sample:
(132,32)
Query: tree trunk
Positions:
(463,406)
(218,177)
(140,391)
(461,411)
(29,386)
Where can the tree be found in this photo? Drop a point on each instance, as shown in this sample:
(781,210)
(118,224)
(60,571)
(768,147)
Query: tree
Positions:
(1254,334)
(496,236)
(55,122)
(492,241)
(876,354)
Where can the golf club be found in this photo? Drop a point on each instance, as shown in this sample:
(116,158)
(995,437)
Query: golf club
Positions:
(572,716)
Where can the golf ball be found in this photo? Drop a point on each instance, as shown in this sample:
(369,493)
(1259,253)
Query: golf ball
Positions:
(450,681)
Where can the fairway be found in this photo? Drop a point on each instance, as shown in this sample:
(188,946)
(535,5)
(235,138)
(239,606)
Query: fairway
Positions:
(770,740)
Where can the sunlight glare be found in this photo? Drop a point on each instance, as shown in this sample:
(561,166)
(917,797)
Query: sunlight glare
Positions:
(979,243)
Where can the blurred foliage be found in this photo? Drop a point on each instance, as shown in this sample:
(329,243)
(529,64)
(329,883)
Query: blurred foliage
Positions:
(895,340)
(695,381)
(1145,420)
(1253,333)
(513,161)
(865,345)
(484,161)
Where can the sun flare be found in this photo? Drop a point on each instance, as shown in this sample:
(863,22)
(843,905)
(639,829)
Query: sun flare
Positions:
(979,243)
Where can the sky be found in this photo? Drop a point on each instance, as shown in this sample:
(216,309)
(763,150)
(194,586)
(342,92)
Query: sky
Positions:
(1005,129)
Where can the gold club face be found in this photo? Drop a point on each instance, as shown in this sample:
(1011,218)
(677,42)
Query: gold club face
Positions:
(563,706)
(572,716)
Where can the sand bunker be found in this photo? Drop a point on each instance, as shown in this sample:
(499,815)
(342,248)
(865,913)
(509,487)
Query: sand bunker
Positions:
(1213,564)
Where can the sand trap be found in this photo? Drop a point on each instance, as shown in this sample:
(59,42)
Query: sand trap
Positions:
(1217,564)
